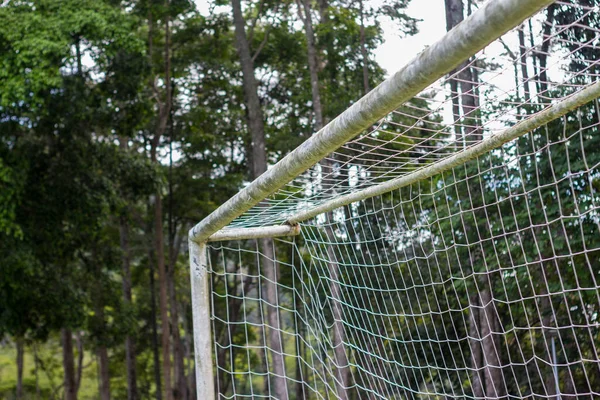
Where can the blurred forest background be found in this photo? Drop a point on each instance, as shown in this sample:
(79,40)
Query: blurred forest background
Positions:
(124,123)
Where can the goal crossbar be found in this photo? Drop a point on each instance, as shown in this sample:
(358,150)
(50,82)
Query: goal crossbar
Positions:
(549,114)
(291,228)
(478,30)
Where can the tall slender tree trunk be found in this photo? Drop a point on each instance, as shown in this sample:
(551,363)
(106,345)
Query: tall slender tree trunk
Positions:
(130,354)
(547,313)
(20,363)
(300,352)
(190,392)
(467,80)
(486,378)
(543,53)
(477,382)
(363,48)
(102,354)
(495,386)
(80,356)
(523,62)
(163,119)
(154,145)
(259,165)
(101,351)
(180,391)
(454,14)
(313,64)
(154,325)
(341,358)
(163,299)
(100,322)
(70,388)
(270,269)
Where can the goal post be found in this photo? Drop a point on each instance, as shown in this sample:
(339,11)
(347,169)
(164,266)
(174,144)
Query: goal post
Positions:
(495,18)
(451,251)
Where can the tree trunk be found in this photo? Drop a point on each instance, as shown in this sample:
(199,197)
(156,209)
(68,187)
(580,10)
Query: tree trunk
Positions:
(339,335)
(155,349)
(130,355)
(363,49)
(300,353)
(153,150)
(536,70)
(495,386)
(523,62)
(547,312)
(70,388)
(180,391)
(259,165)
(313,62)
(163,300)
(270,272)
(163,119)
(476,351)
(80,355)
(190,391)
(180,388)
(543,53)
(486,377)
(341,359)
(467,81)
(20,352)
(453,14)
(101,350)
(102,355)
(252,102)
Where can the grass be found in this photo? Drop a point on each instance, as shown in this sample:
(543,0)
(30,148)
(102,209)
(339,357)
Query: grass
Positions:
(49,372)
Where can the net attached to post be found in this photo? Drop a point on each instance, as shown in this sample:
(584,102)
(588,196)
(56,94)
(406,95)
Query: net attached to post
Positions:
(480,281)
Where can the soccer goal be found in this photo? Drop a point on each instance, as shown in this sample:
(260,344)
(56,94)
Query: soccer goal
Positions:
(440,239)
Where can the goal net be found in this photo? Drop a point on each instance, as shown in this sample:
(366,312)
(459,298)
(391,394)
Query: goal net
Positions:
(451,250)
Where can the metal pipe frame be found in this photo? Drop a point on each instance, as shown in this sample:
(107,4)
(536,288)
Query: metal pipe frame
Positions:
(551,113)
(255,233)
(485,25)
(481,28)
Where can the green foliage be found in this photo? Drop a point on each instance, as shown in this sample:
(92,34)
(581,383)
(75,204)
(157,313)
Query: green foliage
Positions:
(38,39)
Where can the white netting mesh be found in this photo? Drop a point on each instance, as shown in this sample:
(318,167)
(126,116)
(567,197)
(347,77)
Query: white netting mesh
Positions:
(480,282)
(505,83)
(488,275)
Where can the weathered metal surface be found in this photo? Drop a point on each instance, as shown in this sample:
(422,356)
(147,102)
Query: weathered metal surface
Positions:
(255,233)
(543,117)
(205,383)
(474,33)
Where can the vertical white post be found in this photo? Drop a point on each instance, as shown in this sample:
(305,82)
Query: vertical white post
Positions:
(202,325)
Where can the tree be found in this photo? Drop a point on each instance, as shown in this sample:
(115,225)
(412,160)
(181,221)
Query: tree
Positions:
(259,165)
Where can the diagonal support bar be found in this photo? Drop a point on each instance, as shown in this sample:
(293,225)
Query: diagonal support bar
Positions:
(255,233)
(485,25)
(493,142)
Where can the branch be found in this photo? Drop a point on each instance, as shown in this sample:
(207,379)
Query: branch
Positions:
(508,50)
(264,41)
(300,15)
(253,24)
(262,44)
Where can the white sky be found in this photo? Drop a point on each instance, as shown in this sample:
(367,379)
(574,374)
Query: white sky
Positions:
(395,52)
